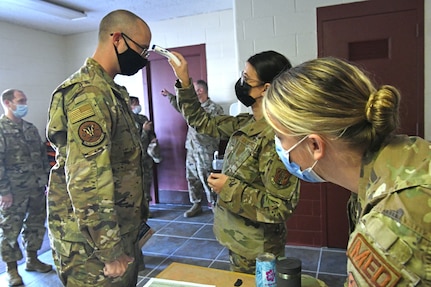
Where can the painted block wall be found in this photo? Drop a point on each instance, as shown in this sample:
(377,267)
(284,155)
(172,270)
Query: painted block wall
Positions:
(36,61)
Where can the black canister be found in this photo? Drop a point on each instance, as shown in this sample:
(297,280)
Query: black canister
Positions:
(288,272)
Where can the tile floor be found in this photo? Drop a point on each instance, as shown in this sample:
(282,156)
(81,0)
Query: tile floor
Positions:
(191,240)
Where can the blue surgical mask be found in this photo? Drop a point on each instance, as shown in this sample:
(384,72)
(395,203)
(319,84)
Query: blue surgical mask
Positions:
(21,111)
(307,174)
(137,109)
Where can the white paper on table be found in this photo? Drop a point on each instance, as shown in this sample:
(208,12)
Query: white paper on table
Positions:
(157,282)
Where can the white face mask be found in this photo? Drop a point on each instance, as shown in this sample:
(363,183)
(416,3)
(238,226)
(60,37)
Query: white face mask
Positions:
(307,174)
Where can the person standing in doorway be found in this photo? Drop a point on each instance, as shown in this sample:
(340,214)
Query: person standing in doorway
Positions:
(200,152)
(23,177)
(150,145)
(95,189)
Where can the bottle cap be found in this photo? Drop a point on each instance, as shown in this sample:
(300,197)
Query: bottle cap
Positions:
(289,266)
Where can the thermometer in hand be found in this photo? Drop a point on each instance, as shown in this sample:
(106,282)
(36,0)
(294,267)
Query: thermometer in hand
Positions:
(162,51)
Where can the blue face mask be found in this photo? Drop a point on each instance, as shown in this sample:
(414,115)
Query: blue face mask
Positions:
(137,109)
(307,174)
(21,111)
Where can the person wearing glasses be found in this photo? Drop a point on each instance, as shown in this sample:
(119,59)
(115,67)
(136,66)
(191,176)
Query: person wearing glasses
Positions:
(333,124)
(256,194)
(96,187)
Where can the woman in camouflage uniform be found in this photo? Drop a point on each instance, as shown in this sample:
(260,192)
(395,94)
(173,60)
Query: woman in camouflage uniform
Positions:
(256,194)
(333,125)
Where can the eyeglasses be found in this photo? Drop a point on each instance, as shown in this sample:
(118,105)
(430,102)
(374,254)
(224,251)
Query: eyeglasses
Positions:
(245,79)
(145,53)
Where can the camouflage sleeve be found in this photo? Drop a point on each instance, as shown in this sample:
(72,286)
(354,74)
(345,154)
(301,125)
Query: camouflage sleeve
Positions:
(89,175)
(271,198)
(173,101)
(4,181)
(218,126)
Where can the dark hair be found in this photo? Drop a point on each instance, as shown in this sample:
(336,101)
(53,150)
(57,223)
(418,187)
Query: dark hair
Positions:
(9,94)
(134,100)
(203,84)
(269,64)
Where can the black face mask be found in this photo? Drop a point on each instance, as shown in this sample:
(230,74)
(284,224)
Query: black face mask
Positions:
(242,91)
(130,61)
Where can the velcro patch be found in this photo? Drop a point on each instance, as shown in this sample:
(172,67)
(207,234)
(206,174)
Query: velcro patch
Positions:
(91,133)
(281,177)
(370,264)
(80,113)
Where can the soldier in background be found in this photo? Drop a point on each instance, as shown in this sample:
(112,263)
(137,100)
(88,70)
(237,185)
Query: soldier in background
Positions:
(96,187)
(150,145)
(23,177)
(200,152)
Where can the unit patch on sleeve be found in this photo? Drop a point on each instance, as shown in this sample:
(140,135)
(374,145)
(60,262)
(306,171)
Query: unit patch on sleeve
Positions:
(371,266)
(281,177)
(91,133)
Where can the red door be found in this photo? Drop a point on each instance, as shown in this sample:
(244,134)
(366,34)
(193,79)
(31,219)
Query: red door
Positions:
(388,41)
(170,185)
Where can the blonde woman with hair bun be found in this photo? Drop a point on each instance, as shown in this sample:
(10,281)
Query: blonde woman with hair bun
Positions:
(333,125)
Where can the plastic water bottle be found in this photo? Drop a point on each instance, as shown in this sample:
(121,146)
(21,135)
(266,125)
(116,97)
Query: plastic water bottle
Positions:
(265,270)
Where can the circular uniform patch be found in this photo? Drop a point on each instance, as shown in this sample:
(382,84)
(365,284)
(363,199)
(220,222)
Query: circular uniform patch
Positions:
(91,133)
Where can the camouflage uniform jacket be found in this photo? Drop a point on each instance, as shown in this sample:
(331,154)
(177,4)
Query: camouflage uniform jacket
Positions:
(391,244)
(146,138)
(23,159)
(259,187)
(197,141)
(95,188)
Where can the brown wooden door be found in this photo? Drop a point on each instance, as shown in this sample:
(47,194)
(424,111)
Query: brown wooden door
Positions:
(169,125)
(387,40)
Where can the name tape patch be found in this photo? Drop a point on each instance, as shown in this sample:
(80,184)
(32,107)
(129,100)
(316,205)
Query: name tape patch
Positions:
(370,264)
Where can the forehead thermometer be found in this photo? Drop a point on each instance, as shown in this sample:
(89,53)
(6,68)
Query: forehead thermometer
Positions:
(162,51)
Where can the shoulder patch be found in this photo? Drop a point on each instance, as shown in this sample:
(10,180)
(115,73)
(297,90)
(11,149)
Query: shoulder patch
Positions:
(80,113)
(281,177)
(91,133)
(372,267)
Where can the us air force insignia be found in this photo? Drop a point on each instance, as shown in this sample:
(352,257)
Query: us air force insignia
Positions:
(91,133)
(281,177)
(371,266)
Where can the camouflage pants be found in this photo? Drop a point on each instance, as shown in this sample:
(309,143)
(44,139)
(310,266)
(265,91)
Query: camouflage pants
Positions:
(27,215)
(79,267)
(198,168)
(148,177)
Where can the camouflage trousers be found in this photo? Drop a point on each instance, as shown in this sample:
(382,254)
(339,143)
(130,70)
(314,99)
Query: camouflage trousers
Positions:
(148,177)
(79,267)
(27,215)
(198,168)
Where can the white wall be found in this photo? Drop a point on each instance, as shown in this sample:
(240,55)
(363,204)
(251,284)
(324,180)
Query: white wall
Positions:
(31,61)
(37,62)
(289,27)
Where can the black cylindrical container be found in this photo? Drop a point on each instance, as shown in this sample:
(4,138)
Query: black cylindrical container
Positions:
(288,272)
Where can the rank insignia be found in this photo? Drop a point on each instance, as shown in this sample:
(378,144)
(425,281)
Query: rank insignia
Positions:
(91,133)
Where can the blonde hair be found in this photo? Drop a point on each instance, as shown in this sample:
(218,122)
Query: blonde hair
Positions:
(333,98)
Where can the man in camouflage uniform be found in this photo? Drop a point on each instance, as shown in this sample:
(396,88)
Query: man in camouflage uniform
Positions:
(23,175)
(200,152)
(150,145)
(95,188)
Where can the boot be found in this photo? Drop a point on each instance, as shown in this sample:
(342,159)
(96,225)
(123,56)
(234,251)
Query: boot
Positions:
(33,264)
(12,276)
(194,210)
